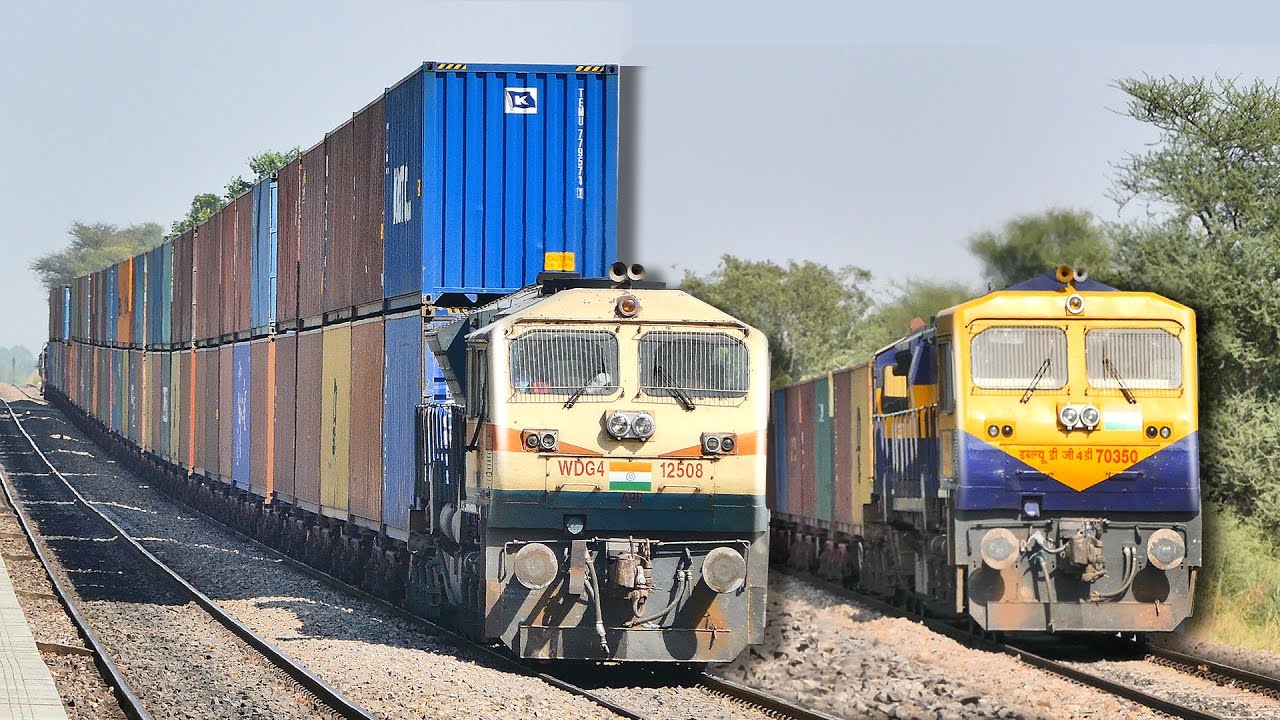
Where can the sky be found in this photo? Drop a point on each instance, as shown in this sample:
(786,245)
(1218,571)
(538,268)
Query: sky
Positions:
(867,134)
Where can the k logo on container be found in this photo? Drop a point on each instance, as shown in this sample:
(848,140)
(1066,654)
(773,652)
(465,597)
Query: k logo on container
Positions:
(521,101)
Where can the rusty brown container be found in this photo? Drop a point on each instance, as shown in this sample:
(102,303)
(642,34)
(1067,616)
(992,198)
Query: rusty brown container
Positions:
(845,421)
(340,201)
(124,303)
(205,412)
(226,410)
(208,278)
(186,428)
(262,404)
(286,398)
(244,264)
(288,206)
(306,468)
(364,494)
(800,465)
(370,159)
(183,253)
(227,250)
(311,234)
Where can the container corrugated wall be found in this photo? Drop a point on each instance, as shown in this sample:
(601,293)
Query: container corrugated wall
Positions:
(844,446)
(306,468)
(823,467)
(181,398)
(263,256)
(226,411)
(340,198)
(124,302)
(365,488)
(286,388)
(229,270)
(288,191)
(370,162)
(335,421)
(242,425)
(311,234)
(206,412)
(262,405)
(244,263)
(183,276)
(490,168)
(208,279)
(156,410)
(139,305)
(110,286)
(401,395)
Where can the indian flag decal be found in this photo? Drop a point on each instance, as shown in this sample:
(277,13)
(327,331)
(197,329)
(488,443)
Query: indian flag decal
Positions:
(631,476)
(1122,420)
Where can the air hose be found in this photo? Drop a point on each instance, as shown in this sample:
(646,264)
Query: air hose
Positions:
(595,599)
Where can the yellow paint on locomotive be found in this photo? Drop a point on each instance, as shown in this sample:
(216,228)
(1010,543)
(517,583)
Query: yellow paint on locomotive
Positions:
(1077,458)
(587,456)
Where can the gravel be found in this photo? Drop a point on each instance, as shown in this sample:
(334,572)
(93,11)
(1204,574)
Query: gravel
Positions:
(1186,688)
(387,664)
(825,652)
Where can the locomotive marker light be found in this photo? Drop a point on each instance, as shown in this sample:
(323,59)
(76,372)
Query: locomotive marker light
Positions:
(718,443)
(535,566)
(1000,549)
(1075,304)
(627,306)
(727,443)
(724,570)
(548,441)
(1166,550)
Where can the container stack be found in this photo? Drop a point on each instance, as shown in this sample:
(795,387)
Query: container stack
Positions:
(278,347)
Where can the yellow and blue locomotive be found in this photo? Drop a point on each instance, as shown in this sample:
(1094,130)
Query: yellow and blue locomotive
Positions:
(1029,459)
(596,490)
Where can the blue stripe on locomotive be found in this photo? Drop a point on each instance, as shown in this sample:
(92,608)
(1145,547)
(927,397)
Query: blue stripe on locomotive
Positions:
(907,467)
(991,479)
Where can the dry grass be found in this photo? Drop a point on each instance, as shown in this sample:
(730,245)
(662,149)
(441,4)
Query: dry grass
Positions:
(1238,598)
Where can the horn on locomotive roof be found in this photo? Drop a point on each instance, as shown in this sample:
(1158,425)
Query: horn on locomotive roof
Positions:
(1080,275)
(1065,273)
(635,272)
(618,272)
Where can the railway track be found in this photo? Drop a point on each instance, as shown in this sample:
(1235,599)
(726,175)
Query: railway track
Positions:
(115,584)
(1242,684)
(617,695)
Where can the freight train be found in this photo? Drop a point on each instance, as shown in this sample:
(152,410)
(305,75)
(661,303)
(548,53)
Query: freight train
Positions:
(1028,459)
(407,359)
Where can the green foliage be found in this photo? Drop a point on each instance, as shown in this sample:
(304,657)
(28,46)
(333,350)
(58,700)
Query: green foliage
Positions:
(813,315)
(1030,245)
(93,247)
(912,298)
(261,165)
(1238,596)
(17,366)
(1214,172)
(203,206)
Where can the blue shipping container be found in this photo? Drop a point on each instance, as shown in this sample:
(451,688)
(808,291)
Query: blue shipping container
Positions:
(241,423)
(140,280)
(780,450)
(66,312)
(263,255)
(113,303)
(492,167)
(402,393)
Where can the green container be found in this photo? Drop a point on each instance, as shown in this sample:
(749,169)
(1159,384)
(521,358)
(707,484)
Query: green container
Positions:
(823,445)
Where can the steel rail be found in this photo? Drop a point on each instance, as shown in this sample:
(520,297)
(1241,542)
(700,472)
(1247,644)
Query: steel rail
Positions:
(1097,682)
(1268,685)
(771,704)
(323,691)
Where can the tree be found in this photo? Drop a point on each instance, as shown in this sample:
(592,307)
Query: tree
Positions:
(93,247)
(1213,174)
(203,206)
(913,298)
(17,365)
(814,315)
(1030,245)
(261,165)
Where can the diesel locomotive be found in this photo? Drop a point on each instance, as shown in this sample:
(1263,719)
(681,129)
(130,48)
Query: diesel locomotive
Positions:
(1028,459)
(596,486)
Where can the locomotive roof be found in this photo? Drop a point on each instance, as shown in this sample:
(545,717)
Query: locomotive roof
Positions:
(594,304)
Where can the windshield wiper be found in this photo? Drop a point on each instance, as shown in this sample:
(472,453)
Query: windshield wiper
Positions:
(677,392)
(573,399)
(1108,366)
(1035,381)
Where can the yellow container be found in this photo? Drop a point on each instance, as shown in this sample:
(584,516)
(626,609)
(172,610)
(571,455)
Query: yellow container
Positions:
(335,417)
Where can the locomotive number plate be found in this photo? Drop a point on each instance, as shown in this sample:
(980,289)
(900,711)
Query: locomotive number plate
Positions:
(682,470)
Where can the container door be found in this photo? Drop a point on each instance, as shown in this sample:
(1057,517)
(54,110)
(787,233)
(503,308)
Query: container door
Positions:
(242,419)
(335,421)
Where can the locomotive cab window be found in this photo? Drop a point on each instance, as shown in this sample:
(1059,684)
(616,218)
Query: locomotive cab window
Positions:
(1018,357)
(1133,359)
(946,380)
(893,393)
(478,385)
(564,362)
(693,364)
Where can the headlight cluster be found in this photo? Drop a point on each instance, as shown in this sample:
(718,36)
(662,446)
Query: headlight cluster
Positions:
(1079,416)
(719,443)
(625,425)
(541,440)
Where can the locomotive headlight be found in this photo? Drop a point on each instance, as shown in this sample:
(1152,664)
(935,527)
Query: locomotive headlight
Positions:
(724,570)
(618,425)
(1000,549)
(1069,416)
(627,306)
(1090,416)
(535,566)
(643,426)
(1166,550)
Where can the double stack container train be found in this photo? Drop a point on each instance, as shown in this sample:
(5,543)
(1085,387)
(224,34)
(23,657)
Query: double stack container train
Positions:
(273,363)
(1028,459)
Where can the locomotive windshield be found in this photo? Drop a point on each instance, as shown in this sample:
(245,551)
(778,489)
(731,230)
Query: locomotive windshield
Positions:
(1011,358)
(1136,359)
(693,364)
(564,362)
